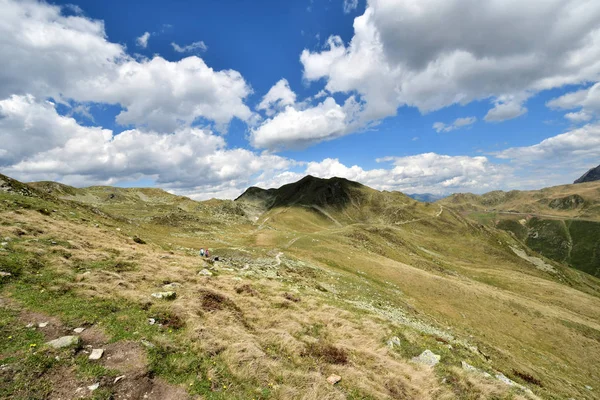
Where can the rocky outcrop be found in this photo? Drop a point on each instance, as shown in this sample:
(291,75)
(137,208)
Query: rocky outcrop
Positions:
(590,176)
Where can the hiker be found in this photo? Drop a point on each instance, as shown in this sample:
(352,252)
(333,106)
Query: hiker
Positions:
(207,254)
(202,252)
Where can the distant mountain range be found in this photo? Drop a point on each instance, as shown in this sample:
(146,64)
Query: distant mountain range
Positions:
(427,197)
(590,176)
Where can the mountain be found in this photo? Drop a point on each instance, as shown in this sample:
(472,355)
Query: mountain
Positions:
(427,197)
(561,222)
(590,176)
(317,278)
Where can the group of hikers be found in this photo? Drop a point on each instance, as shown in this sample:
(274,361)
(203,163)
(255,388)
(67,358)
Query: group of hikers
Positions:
(204,253)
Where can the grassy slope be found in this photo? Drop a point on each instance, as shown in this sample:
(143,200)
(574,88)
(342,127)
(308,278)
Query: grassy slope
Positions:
(392,268)
(561,223)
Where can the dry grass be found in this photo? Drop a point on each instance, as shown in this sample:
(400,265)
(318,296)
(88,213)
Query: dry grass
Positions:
(488,298)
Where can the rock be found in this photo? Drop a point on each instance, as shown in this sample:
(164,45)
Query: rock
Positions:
(94,386)
(2,273)
(588,387)
(333,379)
(118,378)
(4,244)
(151,321)
(468,367)
(427,358)
(78,330)
(165,295)
(394,341)
(43,324)
(65,341)
(147,344)
(590,176)
(96,354)
(29,325)
(171,286)
(205,272)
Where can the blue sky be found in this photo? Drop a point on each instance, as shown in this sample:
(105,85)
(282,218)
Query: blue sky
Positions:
(433,96)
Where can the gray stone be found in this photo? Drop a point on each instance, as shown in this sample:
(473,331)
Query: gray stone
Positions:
(468,367)
(2,273)
(333,379)
(427,358)
(96,354)
(172,286)
(118,378)
(3,244)
(78,330)
(588,387)
(165,295)
(147,344)
(65,341)
(43,324)
(205,272)
(94,386)
(393,342)
(151,321)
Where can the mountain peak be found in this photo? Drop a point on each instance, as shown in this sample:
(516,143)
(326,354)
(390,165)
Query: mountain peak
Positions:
(590,176)
(310,190)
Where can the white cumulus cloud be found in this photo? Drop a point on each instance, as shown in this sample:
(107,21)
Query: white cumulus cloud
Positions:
(431,54)
(71,58)
(457,124)
(142,41)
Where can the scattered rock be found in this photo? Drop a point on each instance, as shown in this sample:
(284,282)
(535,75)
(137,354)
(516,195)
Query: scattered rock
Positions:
(151,321)
(165,295)
(502,378)
(427,358)
(43,324)
(588,387)
(2,273)
(78,330)
(205,272)
(94,386)
(118,378)
(172,285)
(333,379)
(147,344)
(96,354)
(29,325)
(65,341)
(394,341)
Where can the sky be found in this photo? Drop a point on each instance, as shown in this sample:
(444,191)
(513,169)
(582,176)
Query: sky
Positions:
(207,98)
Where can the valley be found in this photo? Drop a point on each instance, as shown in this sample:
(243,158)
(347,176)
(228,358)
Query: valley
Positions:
(318,278)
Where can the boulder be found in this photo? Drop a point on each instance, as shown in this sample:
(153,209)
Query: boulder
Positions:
(96,354)
(65,341)
(165,295)
(427,358)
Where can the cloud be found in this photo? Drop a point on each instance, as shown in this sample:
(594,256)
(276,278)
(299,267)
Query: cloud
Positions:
(279,96)
(458,123)
(506,107)
(581,145)
(189,160)
(586,100)
(421,173)
(350,5)
(70,58)
(505,52)
(142,41)
(297,126)
(190,48)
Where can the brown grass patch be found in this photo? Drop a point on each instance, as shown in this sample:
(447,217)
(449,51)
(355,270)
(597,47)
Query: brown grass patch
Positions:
(247,289)
(326,352)
(527,378)
(291,297)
